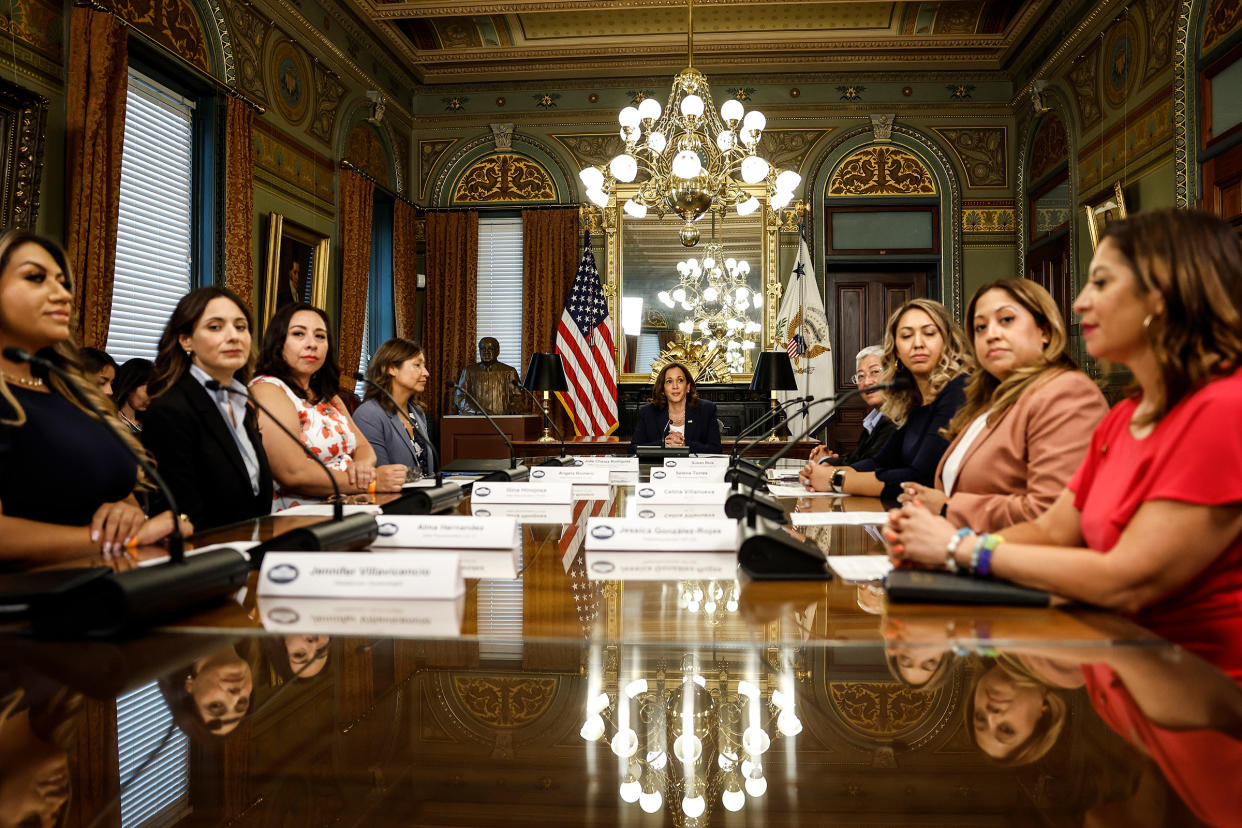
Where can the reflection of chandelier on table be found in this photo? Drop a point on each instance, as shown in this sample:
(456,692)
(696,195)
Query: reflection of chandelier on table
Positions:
(689,740)
(716,296)
(688,158)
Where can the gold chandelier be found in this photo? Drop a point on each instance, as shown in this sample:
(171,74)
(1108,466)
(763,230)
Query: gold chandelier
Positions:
(688,158)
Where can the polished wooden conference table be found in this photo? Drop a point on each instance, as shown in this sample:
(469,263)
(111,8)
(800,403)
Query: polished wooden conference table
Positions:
(619,446)
(552,696)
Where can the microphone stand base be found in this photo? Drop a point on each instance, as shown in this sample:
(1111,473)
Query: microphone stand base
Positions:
(769,552)
(743,505)
(507,475)
(426,501)
(349,533)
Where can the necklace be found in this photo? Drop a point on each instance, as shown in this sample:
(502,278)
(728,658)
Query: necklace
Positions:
(133,425)
(33,382)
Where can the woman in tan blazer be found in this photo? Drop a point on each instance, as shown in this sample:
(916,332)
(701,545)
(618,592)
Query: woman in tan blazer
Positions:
(1028,416)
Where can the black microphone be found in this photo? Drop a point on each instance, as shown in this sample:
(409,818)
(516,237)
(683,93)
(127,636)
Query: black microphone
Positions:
(767,415)
(751,474)
(353,532)
(514,472)
(562,460)
(419,501)
(117,602)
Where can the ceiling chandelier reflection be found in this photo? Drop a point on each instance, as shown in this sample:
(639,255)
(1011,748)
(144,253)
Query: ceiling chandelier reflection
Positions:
(715,295)
(689,743)
(715,601)
(688,158)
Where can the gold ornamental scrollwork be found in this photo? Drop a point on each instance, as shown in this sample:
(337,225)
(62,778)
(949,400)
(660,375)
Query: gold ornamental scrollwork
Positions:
(502,701)
(881,171)
(707,364)
(879,708)
(504,177)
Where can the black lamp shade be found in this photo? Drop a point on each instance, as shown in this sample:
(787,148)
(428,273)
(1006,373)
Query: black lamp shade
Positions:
(544,372)
(774,373)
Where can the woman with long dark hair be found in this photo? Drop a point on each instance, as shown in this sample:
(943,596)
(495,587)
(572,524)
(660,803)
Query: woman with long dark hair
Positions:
(205,439)
(676,416)
(129,392)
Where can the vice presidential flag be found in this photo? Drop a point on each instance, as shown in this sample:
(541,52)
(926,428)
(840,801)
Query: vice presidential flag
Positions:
(802,330)
(585,344)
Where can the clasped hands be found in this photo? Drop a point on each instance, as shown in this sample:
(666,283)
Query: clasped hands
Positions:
(914,535)
(119,525)
(674,438)
(388,478)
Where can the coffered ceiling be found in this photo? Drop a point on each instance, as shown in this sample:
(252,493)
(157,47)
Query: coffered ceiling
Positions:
(455,42)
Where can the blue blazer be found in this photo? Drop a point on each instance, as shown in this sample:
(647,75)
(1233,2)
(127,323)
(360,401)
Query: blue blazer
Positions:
(702,428)
(387,435)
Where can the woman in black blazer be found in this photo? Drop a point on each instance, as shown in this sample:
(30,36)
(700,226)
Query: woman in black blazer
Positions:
(205,442)
(676,416)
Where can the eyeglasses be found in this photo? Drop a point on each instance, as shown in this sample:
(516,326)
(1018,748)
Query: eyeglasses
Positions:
(875,375)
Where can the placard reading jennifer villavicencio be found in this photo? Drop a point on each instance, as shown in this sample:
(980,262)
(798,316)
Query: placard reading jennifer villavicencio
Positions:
(361,575)
(707,535)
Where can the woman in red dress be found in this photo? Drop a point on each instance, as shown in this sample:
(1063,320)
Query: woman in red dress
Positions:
(1160,491)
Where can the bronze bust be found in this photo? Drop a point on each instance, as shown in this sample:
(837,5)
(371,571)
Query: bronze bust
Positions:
(490,381)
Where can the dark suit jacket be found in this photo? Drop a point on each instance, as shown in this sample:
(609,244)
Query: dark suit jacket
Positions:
(387,435)
(195,453)
(702,428)
(869,444)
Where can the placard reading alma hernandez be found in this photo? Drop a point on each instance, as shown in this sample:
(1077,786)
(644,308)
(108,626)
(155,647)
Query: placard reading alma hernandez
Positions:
(361,575)
(634,534)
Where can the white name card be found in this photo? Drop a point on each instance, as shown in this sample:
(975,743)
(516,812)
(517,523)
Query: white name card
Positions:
(624,463)
(678,474)
(570,474)
(592,491)
(702,461)
(361,575)
(325,510)
(660,566)
(714,493)
(344,616)
(543,492)
(704,535)
(838,518)
(673,511)
(524,512)
(445,532)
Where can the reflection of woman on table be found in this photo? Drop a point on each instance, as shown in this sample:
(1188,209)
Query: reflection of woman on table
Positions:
(676,416)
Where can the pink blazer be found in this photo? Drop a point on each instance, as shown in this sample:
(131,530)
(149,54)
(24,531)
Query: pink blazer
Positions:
(1019,464)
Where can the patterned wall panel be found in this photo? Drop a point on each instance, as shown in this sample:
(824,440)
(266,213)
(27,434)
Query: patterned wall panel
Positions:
(983,152)
(1082,83)
(504,177)
(32,31)
(249,31)
(172,23)
(1222,18)
(429,152)
(592,150)
(989,217)
(1124,53)
(1049,148)
(881,171)
(1158,15)
(289,80)
(284,164)
(365,150)
(1146,130)
(328,94)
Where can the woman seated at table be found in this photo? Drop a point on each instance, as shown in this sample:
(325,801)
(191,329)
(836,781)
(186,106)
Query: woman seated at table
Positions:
(676,416)
(66,484)
(868,371)
(98,365)
(398,434)
(129,392)
(928,352)
(206,441)
(297,379)
(1027,419)
(1160,491)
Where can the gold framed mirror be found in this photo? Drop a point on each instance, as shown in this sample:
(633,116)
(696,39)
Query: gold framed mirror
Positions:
(642,263)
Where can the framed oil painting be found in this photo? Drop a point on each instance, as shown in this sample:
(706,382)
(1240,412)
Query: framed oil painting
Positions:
(297,266)
(1111,209)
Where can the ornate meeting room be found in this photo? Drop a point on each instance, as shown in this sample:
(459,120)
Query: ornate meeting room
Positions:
(495,413)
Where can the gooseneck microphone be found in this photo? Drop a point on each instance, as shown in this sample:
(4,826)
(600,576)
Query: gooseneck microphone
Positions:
(767,415)
(111,602)
(547,419)
(422,501)
(339,533)
(514,472)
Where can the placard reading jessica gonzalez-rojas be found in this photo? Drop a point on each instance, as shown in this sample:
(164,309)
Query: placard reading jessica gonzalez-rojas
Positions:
(605,565)
(361,575)
(621,534)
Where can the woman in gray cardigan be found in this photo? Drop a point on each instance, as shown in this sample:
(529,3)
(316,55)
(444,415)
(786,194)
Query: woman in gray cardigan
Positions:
(398,435)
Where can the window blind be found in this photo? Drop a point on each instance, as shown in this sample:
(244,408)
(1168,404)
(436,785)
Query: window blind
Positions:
(500,616)
(156,777)
(498,297)
(154,233)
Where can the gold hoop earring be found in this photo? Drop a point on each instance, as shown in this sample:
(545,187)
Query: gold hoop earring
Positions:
(1147,321)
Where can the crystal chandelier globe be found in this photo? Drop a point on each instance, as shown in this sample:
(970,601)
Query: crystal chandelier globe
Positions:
(715,296)
(687,157)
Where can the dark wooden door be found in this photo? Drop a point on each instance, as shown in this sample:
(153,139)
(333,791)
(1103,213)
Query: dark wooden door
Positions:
(859,305)
(1048,264)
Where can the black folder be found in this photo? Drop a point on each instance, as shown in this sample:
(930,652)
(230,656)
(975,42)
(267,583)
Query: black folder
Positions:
(919,586)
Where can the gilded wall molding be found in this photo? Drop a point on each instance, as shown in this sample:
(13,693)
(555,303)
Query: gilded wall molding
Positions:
(225,39)
(23,128)
(983,153)
(989,217)
(1185,101)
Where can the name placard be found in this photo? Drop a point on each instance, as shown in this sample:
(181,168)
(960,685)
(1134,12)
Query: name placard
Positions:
(524,512)
(570,474)
(625,463)
(626,534)
(592,491)
(660,566)
(345,616)
(678,474)
(702,461)
(542,492)
(681,493)
(361,575)
(673,511)
(445,532)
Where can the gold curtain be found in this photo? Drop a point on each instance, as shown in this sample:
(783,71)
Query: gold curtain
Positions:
(356,206)
(452,275)
(549,263)
(239,201)
(95,87)
(404,268)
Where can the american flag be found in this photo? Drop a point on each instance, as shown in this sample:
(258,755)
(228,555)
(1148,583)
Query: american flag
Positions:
(584,342)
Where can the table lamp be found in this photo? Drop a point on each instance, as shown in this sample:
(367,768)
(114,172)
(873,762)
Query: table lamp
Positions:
(545,373)
(773,373)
